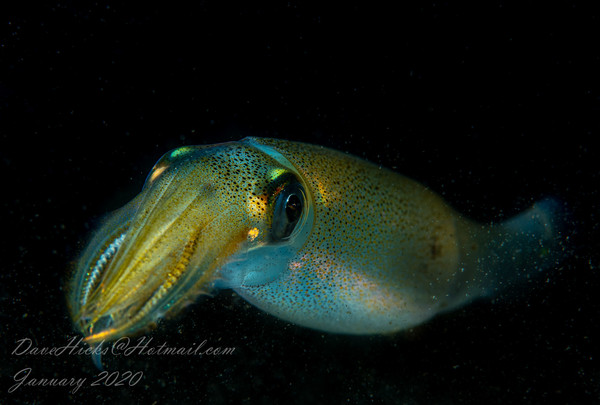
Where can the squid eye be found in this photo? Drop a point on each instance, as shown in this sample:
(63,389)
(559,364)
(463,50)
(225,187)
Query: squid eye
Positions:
(293,208)
(288,211)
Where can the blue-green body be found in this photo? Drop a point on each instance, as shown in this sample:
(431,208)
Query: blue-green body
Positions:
(311,235)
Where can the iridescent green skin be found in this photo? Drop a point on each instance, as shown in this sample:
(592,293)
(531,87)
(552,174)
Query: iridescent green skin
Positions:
(373,251)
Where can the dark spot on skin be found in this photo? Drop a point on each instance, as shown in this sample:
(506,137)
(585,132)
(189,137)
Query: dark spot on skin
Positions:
(209,188)
(436,248)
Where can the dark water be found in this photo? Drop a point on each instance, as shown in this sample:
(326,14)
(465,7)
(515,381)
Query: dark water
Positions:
(491,106)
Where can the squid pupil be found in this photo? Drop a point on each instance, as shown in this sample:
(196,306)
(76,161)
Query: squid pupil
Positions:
(293,208)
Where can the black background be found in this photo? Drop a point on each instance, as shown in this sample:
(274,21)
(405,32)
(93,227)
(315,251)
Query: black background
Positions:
(492,105)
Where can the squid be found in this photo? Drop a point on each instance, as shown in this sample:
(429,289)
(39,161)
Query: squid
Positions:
(311,235)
